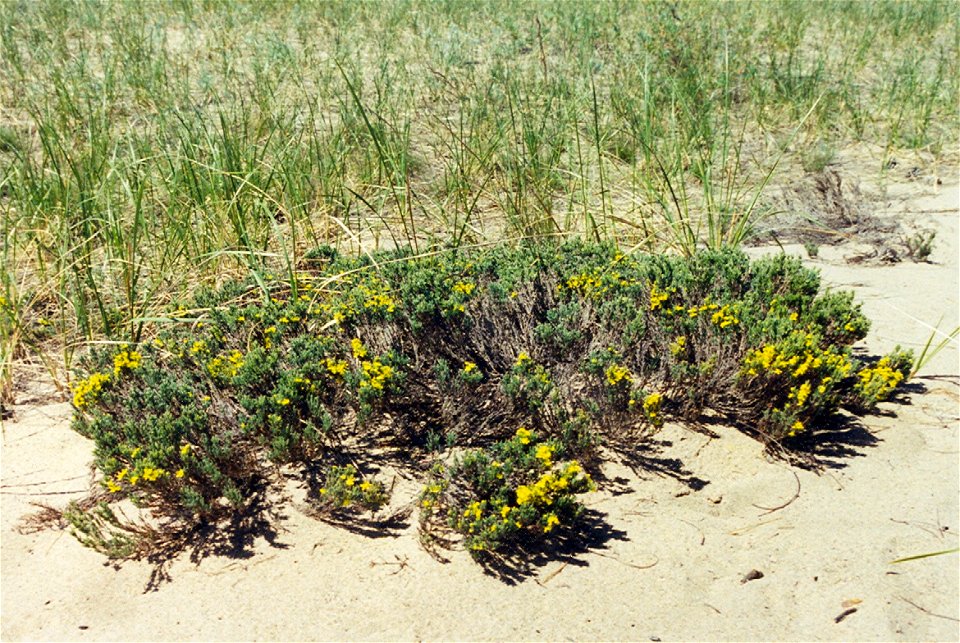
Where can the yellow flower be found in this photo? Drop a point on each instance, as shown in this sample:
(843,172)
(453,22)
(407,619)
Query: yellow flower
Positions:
(152,475)
(464,287)
(126,360)
(651,403)
(88,390)
(803,393)
(180,473)
(469,367)
(678,345)
(552,521)
(375,374)
(573,468)
(113,487)
(366,486)
(524,435)
(616,374)
(657,297)
(380,301)
(522,359)
(544,453)
(359,351)
(524,494)
(796,428)
(336,367)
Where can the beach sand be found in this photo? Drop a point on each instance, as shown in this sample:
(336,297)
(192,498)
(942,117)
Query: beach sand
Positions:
(685,541)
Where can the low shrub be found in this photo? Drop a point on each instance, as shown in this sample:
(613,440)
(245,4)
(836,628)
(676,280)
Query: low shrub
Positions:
(403,356)
(516,490)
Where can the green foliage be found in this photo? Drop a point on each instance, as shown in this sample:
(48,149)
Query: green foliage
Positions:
(920,245)
(517,490)
(100,529)
(410,355)
(528,383)
(345,489)
(877,382)
(181,143)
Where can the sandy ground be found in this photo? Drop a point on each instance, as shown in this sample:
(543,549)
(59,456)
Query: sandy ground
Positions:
(673,562)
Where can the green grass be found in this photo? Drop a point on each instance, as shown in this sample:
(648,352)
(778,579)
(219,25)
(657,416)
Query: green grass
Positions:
(150,149)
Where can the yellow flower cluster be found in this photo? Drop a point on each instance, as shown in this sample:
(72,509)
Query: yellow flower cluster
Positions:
(522,359)
(227,367)
(598,283)
(125,360)
(342,489)
(545,454)
(431,493)
(147,474)
(878,382)
(795,428)
(474,510)
(651,408)
(616,374)
(88,390)
(657,297)
(151,474)
(524,435)
(199,346)
(464,287)
(336,366)
(800,393)
(375,374)
(585,283)
(546,489)
(770,359)
(552,521)
(359,350)
(469,367)
(678,346)
(724,317)
(380,302)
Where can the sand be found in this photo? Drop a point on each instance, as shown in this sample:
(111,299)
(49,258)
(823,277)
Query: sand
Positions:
(676,560)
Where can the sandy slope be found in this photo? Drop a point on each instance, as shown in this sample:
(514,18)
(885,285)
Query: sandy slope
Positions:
(670,564)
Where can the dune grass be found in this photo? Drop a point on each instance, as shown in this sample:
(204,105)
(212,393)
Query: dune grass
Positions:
(149,149)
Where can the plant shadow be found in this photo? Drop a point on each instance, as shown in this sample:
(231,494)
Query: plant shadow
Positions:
(843,435)
(590,534)
(647,458)
(840,438)
(233,537)
(389,526)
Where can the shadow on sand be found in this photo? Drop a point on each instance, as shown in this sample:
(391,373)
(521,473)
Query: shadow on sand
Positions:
(590,534)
